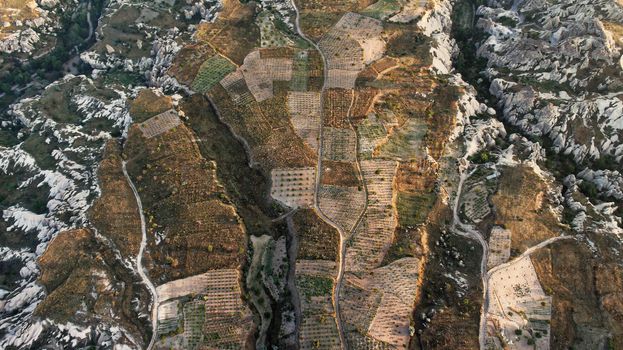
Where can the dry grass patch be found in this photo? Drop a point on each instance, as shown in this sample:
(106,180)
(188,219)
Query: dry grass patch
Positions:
(384,65)
(234,33)
(192,227)
(187,61)
(342,205)
(409,43)
(318,16)
(267,131)
(615,28)
(277,52)
(364,99)
(16,10)
(148,103)
(336,105)
(375,70)
(521,206)
(415,183)
(372,238)
(86,282)
(315,69)
(115,212)
(123,35)
(582,313)
(317,239)
(339,145)
(377,308)
(441,119)
(339,174)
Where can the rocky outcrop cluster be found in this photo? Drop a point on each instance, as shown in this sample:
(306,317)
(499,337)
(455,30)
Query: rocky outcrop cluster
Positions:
(66,183)
(556,72)
(204,9)
(24,34)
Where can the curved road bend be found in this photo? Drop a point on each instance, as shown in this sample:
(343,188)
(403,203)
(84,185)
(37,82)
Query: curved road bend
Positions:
(139,262)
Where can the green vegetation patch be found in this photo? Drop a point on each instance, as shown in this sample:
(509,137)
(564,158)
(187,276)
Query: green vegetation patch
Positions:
(300,72)
(55,103)
(33,197)
(36,146)
(211,72)
(406,142)
(8,138)
(121,33)
(272,30)
(414,208)
(382,9)
(463,16)
(194,319)
(370,132)
(313,286)
(120,77)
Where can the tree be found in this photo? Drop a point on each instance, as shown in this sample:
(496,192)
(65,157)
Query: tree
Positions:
(4,87)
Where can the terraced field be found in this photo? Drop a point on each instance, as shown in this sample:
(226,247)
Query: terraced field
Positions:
(211,72)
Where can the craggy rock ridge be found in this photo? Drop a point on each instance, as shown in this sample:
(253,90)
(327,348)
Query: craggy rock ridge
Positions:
(555,70)
(321,174)
(51,144)
(87,282)
(24,23)
(50,155)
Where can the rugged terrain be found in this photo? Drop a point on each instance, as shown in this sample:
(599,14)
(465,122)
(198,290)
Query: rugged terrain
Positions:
(391,174)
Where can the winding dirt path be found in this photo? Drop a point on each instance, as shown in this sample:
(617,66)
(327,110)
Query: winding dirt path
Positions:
(139,262)
(468,231)
(342,248)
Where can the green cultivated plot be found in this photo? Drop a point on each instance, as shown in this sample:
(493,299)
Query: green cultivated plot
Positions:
(312,286)
(407,142)
(272,30)
(413,208)
(382,9)
(211,72)
(194,318)
(299,72)
(369,134)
